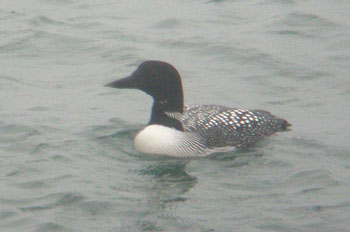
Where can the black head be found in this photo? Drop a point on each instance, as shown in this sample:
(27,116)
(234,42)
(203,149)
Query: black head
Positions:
(160,80)
(156,78)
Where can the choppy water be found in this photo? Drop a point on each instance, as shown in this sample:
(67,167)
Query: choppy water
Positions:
(66,156)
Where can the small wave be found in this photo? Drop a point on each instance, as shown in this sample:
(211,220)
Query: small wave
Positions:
(4,214)
(290,32)
(170,23)
(303,25)
(55,200)
(316,177)
(94,208)
(284,2)
(18,44)
(299,19)
(7,78)
(42,20)
(50,226)
(33,185)
(112,139)
(14,132)
(39,108)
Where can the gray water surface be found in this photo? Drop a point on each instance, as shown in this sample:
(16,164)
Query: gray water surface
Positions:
(66,157)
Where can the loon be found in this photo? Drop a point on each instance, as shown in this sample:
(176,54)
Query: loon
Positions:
(197,130)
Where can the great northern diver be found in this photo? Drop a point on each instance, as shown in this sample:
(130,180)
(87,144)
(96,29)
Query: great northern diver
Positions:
(198,130)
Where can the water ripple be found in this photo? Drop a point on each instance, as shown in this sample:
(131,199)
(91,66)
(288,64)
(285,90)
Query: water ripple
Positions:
(14,132)
(55,200)
(50,226)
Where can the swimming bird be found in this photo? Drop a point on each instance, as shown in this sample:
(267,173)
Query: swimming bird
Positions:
(196,130)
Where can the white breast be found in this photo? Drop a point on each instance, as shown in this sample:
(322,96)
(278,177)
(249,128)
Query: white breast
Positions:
(160,140)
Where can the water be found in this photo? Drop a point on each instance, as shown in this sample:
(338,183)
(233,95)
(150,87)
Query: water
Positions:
(66,156)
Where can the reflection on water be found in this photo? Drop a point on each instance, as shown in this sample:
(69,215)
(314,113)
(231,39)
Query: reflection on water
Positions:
(171,181)
(167,184)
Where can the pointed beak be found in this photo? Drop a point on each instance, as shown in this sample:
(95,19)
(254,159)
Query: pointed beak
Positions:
(124,83)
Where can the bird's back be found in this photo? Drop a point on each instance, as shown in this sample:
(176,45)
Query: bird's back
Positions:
(221,126)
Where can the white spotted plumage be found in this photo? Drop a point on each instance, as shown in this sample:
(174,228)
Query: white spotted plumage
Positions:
(221,126)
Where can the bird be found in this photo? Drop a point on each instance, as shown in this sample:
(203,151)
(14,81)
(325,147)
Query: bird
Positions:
(178,130)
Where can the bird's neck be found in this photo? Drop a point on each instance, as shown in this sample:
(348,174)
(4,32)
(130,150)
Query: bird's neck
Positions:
(167,113)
